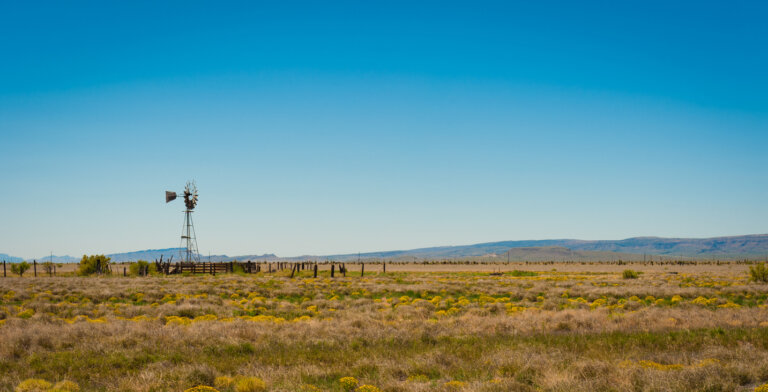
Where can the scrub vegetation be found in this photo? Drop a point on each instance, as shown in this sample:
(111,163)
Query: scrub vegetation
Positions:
(697,328)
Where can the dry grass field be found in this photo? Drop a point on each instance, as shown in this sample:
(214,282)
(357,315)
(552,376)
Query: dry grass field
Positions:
(534,327)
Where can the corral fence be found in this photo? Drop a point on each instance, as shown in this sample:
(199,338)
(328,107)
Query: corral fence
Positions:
(336,268)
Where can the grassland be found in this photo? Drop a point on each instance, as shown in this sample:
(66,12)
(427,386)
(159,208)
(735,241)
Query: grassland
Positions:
(534,327)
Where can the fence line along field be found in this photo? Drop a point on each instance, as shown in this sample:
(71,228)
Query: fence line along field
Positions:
(683,326)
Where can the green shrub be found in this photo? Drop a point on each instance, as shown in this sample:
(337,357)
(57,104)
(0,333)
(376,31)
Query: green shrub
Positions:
(20,268)
(630,274)
(94,264)
(522,273)
(141,265)
(758,273)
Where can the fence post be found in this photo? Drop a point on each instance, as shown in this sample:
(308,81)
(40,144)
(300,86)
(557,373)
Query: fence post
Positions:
(34,264)
(384,267)
(362,269)
(293,270)
(54,270)
(315,270)
(4,269)
(124,274)
(333,267)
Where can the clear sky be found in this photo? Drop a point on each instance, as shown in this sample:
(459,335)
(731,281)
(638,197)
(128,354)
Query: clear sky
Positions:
(333,127)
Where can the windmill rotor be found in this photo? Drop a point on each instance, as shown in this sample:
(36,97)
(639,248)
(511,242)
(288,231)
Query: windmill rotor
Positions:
(190,195)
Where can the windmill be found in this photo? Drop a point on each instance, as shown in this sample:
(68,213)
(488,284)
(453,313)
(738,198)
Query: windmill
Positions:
(189,252)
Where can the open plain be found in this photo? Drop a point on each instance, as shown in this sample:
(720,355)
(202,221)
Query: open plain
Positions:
(417,327)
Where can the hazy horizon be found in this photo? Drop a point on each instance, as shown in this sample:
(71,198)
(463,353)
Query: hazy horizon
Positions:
(229,254)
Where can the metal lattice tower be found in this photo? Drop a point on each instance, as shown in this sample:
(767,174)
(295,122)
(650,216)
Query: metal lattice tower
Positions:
(188,246)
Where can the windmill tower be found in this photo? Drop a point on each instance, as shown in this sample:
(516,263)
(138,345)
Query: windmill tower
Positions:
(188,246)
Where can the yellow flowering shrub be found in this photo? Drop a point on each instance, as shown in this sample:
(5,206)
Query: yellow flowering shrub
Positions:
(169,320)
(201,388)
(348,383)
(205,317)
(368,388)
(33,385)
(703,301)
(455,385)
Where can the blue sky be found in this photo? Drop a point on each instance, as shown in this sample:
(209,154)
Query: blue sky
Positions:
(334,127)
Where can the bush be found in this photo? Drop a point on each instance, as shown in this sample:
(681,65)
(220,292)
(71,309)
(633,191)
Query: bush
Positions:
(201,388)
(758,273)
(223,382)
(141,265)
(48,267)
(250,384)
(629,274)
(348,383)
(20,269)
(33,385)
(200,375)
(65,386)
(94,264)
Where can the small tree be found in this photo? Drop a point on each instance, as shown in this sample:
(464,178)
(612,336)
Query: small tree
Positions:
(94,264)
(48,267)
(20,268)
(758,273)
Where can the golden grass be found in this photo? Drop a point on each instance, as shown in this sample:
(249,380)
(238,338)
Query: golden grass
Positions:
(573,329)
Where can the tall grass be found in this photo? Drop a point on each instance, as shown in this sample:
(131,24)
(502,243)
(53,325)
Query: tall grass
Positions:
(550,331)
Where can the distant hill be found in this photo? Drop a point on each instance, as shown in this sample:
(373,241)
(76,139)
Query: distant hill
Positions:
(745,246)
(559,253)
(154,254)
(148,255)
(724,247)
(10,259)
